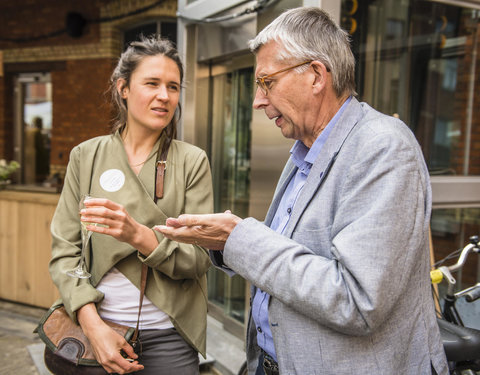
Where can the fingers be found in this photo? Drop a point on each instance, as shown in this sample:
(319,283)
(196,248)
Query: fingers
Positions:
(120,365)
(127,348)
(102,202)
(187,220)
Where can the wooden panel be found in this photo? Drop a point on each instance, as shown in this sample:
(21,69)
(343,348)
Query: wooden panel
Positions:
(8,246)
(25,247)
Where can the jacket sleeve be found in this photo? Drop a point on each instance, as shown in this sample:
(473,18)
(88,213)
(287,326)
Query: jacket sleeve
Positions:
(179,260)
(66,243)
(374,244)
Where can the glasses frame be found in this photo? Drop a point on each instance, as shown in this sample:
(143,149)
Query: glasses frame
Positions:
(260,81)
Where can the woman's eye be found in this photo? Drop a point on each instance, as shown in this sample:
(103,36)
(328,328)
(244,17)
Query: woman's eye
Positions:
(174,88)
(151,84)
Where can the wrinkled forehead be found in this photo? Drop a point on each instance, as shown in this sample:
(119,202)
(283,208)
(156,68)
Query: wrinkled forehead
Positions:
(267,59)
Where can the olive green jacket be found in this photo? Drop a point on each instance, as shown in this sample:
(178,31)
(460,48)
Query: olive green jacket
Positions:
(176,281)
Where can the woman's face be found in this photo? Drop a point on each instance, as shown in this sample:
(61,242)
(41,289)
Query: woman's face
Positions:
(153,94)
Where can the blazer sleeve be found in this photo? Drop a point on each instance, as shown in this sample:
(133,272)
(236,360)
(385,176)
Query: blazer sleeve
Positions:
(347,276)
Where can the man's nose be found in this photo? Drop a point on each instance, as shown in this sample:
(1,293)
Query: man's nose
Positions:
(260,99)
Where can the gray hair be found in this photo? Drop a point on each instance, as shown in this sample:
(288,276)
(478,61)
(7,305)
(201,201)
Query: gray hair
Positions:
(309,33)
(128,62)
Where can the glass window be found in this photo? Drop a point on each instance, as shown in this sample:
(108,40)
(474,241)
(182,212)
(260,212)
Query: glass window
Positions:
(232,111)
(416,59)
(33,130)
(166,29)
(451,230)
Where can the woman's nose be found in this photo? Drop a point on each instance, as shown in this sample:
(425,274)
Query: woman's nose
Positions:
(162,93)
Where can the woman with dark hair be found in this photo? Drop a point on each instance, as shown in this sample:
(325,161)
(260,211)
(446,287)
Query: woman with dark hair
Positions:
(139,175)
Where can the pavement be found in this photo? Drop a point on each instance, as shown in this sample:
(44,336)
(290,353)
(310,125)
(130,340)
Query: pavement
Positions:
(21,350)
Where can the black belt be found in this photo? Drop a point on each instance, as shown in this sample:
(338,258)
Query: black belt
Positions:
(270,366)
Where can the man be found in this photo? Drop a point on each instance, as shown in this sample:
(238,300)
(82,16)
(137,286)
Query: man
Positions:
(340,267)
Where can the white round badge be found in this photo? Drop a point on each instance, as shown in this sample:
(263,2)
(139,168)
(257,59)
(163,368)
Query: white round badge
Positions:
(112,180)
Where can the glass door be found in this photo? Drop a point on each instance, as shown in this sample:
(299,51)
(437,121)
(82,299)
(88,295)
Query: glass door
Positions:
(230,159)
(33,127)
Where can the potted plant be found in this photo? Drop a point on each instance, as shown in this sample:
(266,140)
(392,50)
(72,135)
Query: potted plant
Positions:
(6,169)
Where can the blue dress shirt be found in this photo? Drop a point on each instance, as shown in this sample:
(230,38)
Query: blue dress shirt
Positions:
(303,158)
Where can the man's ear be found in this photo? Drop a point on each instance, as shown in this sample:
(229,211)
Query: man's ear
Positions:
(121,88)
(320,76)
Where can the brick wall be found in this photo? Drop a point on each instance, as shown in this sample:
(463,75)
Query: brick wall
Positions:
(80,67)
(81,107)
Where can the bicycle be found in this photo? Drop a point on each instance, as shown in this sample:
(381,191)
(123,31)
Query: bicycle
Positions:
(461,344)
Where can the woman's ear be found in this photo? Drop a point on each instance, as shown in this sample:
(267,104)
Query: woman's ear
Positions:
(320,76)
(122,88)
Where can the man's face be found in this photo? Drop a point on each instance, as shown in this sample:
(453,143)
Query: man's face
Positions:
(289,96)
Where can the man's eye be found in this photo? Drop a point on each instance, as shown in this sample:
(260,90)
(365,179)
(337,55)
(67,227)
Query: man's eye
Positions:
(268,83)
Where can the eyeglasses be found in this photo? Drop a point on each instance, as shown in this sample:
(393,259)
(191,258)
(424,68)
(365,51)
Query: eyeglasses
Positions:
(265,84)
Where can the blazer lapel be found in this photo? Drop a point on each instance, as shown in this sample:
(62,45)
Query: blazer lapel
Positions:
(325,160)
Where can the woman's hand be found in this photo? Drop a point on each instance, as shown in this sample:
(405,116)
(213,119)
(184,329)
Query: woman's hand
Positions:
(107,217)
(107,344)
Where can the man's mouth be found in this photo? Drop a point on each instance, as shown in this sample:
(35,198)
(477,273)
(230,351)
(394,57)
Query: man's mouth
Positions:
(278,119)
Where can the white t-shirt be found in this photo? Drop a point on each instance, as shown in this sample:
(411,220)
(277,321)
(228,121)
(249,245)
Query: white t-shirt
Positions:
(120,304)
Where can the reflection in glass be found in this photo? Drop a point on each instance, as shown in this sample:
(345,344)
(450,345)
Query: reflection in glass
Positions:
(451,229)
(417,58)
(37,129)
(232,111)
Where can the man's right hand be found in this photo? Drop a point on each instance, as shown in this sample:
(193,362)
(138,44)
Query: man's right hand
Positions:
(210,231)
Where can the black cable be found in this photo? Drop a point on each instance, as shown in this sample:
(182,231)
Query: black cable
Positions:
(452,255)
(34,38)
(75,23)
(132,13)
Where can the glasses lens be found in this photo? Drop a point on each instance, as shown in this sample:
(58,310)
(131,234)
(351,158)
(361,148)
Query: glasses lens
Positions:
(261,83)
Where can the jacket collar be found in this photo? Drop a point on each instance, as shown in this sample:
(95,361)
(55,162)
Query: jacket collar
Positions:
(322,164)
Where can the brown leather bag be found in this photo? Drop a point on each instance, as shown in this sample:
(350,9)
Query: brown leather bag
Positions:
(67,349)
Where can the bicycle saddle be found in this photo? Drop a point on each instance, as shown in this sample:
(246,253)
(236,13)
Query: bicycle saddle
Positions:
(460,343)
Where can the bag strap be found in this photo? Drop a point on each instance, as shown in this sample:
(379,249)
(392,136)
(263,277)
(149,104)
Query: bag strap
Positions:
(143,284)
(161,166)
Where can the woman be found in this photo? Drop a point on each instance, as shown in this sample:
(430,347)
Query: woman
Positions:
(119,171)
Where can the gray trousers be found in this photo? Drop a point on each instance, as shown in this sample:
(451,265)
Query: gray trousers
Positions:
(165,352)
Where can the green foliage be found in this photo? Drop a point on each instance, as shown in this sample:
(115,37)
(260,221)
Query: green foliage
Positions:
(6,169)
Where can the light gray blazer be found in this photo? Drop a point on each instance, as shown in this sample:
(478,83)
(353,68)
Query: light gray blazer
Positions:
(349,279)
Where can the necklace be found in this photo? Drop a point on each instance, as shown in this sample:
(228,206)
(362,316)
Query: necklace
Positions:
(143,162)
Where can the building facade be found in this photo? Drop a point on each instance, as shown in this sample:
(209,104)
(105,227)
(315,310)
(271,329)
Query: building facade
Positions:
(416,59)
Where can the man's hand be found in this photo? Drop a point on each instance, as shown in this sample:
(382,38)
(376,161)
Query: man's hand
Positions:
(210,231)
